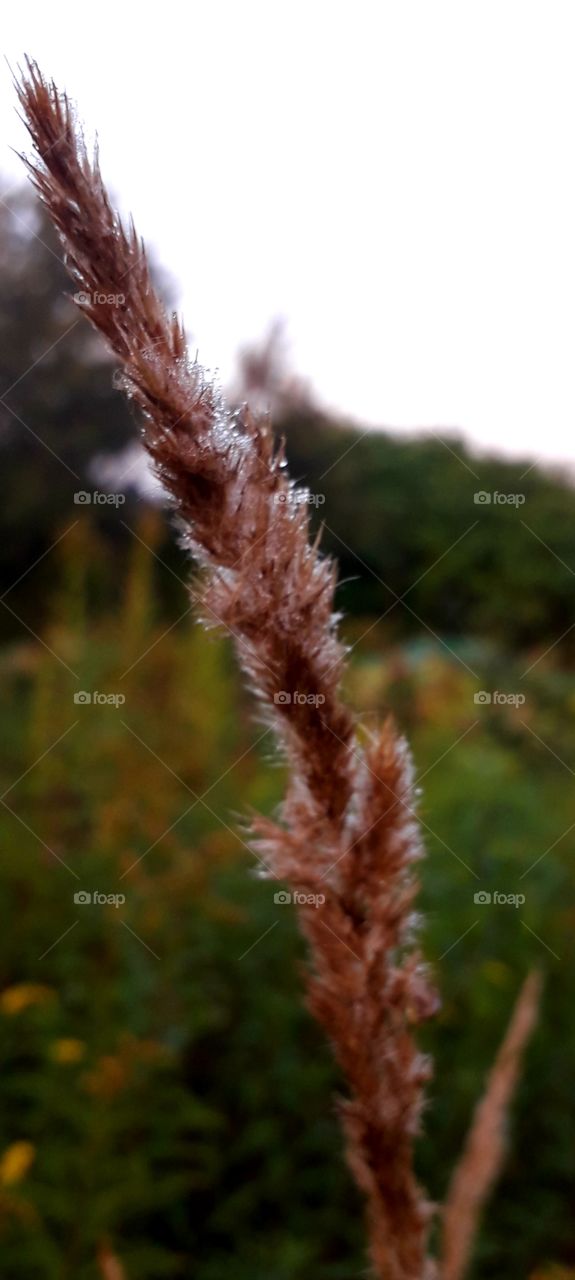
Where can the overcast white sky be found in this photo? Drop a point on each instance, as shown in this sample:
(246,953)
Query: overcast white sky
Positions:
(395,179)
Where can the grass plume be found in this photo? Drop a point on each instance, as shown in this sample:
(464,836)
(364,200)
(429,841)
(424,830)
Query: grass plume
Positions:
(347,828)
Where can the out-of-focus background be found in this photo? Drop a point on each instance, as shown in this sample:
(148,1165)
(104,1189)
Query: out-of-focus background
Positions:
(167,1100)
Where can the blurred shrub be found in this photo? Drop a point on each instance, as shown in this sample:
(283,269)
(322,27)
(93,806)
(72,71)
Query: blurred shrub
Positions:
(395,507)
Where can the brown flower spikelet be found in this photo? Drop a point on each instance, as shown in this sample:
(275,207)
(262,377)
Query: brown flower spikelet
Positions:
(346,829)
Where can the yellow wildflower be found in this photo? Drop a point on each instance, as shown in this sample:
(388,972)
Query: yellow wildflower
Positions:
(67,1050)
(14,999)
(15,1162)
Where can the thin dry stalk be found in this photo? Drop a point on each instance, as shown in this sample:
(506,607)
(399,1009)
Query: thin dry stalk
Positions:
(483,1155)
(109,1265)
(346,829)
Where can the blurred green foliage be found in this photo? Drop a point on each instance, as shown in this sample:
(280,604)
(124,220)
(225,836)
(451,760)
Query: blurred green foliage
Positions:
(393,506)
(165,1091)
